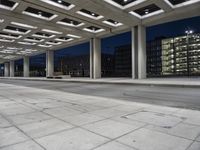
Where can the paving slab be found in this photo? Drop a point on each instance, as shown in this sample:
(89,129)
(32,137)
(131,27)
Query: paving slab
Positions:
(65,121)
(85,107)
(109,112)
(62,112)
(111,129)
(4,123)
(191,116)
(10,136)
(187,131)
(83,119)
(43,128)
(28,118)
(158,119)
(114,146)
(144,139)
(29,145)
(18,110)
(194,146)
(76,139)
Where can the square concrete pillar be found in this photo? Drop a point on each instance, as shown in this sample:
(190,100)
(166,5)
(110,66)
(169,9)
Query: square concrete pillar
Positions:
(6,70)
(12,68)
(49,63)
(26,66)
(95,58)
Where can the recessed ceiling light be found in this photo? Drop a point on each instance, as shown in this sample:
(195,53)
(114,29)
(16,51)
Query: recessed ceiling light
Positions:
(34,12)
(53,43)
(112,23)
(51,31)
(89,14)
(43,35)
(179,3)
(29,39)
(1,20)
(26,43)
(45,45)
(147,11)
(11,29)
(74,36)
(8,5)
(6,40)
(124,4)
(14,48)
(24,25)
(59,3)
(10,36)
(70,22)
(93,29)
(64,39)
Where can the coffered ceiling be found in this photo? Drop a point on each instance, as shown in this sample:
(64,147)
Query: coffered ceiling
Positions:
(29,27)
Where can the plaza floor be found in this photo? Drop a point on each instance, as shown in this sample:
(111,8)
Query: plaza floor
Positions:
(178,82)
(40,119)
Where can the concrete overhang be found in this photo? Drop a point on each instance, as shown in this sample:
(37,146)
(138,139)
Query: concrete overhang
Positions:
(55,24)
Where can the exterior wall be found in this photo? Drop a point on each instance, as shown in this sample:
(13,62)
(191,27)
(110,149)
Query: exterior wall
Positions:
(123,61)
(180,56)
(79,66)
(154,57)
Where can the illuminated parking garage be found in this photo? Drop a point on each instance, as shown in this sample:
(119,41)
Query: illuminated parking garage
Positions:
(24,29)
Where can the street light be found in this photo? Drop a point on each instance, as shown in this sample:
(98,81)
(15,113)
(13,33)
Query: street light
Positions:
(188,32)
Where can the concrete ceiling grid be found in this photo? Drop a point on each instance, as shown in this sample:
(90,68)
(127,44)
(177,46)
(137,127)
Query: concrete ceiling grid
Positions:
(106,9)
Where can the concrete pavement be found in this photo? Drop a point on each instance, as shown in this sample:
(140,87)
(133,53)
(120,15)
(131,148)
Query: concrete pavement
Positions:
(176,82)
(40,119)
(160,95)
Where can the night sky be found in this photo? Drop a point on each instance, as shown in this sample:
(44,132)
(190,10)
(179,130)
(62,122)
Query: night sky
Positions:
(108,44)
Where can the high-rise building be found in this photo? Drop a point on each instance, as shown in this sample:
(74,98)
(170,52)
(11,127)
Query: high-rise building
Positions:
(177,56)
(123,61)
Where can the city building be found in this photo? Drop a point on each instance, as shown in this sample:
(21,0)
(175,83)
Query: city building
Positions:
(122,57)
(78,66)
(176,56)
(154,57)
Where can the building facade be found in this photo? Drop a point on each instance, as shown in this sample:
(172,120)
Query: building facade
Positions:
(123,63)
(177,56)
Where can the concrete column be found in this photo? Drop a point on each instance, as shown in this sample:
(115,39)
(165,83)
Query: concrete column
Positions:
(26,66)
(6,69)
(49,63)
(12,68)
(134,52)
(91,58)
(95,58)
(142,52)
(139,52)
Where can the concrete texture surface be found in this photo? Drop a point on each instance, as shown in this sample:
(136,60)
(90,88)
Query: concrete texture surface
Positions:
(42,119)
